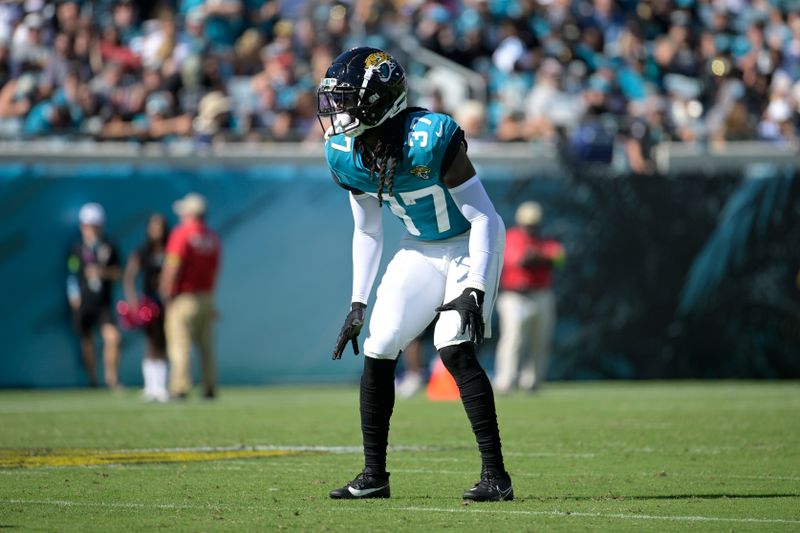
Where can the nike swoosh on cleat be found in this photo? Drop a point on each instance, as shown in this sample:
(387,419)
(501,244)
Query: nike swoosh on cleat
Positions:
(504,493)
(360,493)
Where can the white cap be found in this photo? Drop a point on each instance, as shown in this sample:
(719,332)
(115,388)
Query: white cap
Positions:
(33,20)
(211,107)
(193,204)
(92,214)
(528,214)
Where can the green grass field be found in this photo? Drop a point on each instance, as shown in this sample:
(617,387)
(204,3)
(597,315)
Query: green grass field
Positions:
(584,457)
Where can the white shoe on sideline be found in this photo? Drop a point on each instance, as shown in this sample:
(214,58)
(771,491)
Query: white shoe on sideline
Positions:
(409,385)
(161,396)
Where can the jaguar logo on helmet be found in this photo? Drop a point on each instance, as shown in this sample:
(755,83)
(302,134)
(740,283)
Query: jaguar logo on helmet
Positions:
(422,172)
(385,70)
(375,59)
(382,63)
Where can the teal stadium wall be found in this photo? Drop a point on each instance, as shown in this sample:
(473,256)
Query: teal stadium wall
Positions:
(653,267)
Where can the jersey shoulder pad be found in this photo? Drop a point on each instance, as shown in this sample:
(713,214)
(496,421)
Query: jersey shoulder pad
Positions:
(339,153)
(431,131)
(433,139)
(337,146)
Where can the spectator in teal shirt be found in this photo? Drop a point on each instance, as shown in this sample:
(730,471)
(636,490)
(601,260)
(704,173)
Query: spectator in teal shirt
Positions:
(46,118)
(223,19)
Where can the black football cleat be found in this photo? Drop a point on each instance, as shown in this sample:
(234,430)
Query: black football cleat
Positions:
(365,485)
(493,487)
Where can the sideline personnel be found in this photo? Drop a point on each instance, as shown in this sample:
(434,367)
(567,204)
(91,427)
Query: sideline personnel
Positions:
(186,286)
(526,306)
(93,266)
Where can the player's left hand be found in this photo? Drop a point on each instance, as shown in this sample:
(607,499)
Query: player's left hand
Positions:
(470,308)
(350,330)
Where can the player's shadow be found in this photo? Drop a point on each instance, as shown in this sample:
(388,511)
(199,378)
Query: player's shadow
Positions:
(720,496)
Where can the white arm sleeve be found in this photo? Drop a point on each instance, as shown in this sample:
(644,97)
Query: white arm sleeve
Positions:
(367,244)
(475,205)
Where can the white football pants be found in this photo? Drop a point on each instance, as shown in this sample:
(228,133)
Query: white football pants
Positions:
(421,276)
(526,330)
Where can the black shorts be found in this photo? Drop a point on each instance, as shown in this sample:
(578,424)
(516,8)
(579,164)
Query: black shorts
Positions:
(155,332)
(86,319)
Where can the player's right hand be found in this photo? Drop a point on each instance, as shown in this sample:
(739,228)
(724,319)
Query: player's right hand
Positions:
(350,330)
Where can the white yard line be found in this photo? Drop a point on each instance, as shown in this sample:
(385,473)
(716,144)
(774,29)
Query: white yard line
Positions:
(111,505)
(569,514)
(396,448)
(777,478)
(554,513)
(350,449)
(551,454)
(253,447)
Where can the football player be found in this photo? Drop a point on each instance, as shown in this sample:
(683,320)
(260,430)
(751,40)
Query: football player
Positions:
(449,261)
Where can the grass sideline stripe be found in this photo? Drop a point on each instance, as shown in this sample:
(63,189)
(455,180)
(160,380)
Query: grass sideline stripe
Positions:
(308,448)
(61,458)
(32,458)
(346,508)
(37,458)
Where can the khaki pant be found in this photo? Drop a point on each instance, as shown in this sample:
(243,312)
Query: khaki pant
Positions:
(526,329)
(188,321)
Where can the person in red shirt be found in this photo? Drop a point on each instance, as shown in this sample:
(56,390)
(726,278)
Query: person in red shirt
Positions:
(526,305)
(186,286)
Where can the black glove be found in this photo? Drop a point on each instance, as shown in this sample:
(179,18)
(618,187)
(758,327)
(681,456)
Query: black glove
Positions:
(352,327)
(470,307)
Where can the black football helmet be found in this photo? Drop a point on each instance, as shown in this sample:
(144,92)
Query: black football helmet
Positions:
(362,88)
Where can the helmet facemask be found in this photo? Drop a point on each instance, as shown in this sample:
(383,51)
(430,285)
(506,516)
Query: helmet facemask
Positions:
(342,106)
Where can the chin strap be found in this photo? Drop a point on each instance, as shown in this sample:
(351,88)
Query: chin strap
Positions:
(344,123)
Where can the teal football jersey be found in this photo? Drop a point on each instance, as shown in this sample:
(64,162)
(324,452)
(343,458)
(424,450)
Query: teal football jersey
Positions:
(419,199)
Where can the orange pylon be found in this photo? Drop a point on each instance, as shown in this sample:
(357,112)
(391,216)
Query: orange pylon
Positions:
(441,386)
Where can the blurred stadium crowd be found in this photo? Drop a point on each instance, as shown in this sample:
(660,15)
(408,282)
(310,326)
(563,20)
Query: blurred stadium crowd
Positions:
(586,73)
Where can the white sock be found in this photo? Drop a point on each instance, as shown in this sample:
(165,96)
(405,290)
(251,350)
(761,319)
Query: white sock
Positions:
(147,374)
(159,377)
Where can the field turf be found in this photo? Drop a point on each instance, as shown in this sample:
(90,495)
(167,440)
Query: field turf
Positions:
(615,457)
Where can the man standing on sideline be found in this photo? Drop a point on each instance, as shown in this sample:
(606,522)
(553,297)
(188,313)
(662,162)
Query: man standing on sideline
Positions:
(526,306)
(186,287)
(92,268)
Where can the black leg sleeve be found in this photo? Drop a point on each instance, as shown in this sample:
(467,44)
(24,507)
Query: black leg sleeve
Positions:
(377,404)
(478,399)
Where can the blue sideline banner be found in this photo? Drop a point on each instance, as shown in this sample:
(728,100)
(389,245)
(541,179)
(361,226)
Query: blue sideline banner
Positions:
(686,277)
